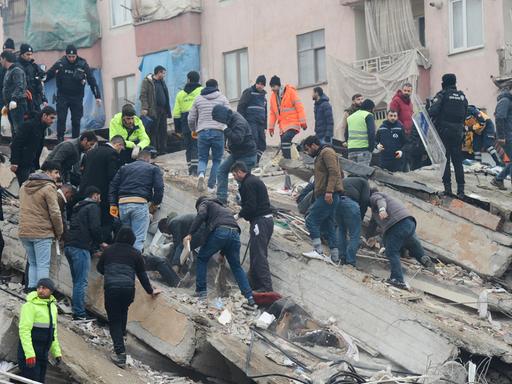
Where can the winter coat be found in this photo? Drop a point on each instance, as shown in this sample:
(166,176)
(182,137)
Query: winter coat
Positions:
(34,76)
(238,133)
(28,143)
(179,227)
(200,115)
(148,97)
(100,166)
(328,173)
(395,209)
(324,122)
(358,189)
(119,263)
(287,112)
(253,106)
(85,227)
(449,111)
(405,109)
(40,216)
(504,116)
(15,84)
(213,214)
(72,77)
(255,201)
(138,179)
(182,105)
(66,154)
(392,137)
(37,335)
(134,136)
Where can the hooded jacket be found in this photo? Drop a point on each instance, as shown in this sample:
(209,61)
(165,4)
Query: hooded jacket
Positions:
(238,133)
(504,116)
(183,103)
(328,173)
(14,85)
(200,115)
(395,209)
(405,109)
(286,110)
(135,136)
(148,97)
(391,136)
(38,334)
(324,122)
(85,227)
(40,216)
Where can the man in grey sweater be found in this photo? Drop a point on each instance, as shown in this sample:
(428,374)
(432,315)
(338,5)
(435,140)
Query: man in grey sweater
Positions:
(398,229)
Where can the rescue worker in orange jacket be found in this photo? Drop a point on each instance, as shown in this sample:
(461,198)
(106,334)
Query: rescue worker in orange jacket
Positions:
(288,111)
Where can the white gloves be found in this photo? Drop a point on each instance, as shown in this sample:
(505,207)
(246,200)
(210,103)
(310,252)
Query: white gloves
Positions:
(380,147)
(12,105)
(398,154)
(135,152)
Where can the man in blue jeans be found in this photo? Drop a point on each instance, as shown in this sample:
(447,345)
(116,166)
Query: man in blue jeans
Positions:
(327,191)
(240,143)
(135,186)
(398,227)
(224,237)
(348,218)
(209,132)
(83,237)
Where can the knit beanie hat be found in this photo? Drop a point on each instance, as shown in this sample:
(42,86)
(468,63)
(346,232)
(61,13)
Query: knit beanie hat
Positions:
(128,110)
(71,50)
(24,48)
(47,283)
(193,77)
(261,79)
(275,81)
(9,44)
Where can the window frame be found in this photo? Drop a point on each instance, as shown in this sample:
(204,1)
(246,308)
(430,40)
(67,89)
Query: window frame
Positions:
(238,79)
(115,82)
(315,50)
(464,48)
(112,25)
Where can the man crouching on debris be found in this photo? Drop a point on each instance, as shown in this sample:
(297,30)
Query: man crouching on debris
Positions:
(398,228)
(38,332)
(224,236)
(328,188)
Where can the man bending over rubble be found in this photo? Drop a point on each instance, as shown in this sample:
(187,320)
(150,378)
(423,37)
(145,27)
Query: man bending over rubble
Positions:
(224,236)
(398,229)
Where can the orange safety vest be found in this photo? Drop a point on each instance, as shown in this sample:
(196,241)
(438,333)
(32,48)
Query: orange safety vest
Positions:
(289,114)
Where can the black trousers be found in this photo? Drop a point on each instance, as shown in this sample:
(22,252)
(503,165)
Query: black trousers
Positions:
(261,229)
(158,133)
(259,135)
(454,154)
(2,245)
(154,263)
(22,174)
(117,302)
(75,105)
(38,372)
(190,152)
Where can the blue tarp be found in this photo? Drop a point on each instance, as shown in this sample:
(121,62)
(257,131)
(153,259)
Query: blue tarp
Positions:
(94,115)
(178,62)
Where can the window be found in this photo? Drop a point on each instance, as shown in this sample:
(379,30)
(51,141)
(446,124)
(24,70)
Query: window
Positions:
(121,12)
(124,92)
(236,73)
(311,57)
(420,24)
(466,24)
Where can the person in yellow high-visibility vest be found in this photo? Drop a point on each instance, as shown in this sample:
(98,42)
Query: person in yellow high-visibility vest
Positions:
(361,133)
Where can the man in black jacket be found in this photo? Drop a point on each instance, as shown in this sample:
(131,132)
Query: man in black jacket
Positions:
(72,73)
(257,211)
(448,112)
(28,144)
(253,107)
(34,75)
(9,47)
(390,141)
(240,143)
(2,243)
(133,187)
(100,166)
(224,236)
(83,237)
(324,121)
(14,91)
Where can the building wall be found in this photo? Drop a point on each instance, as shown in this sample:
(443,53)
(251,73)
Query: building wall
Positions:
(473,68)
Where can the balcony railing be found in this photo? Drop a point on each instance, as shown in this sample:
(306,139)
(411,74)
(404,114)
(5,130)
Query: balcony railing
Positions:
(379,63)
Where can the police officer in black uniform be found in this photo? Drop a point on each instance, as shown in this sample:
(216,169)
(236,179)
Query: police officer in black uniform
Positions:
(448,111)
(253,107)
(35,76)
(72,72)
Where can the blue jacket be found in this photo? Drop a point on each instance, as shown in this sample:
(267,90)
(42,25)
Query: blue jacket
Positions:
(391,136)
(253,106)
(504,116)
(137,179)
(324,122)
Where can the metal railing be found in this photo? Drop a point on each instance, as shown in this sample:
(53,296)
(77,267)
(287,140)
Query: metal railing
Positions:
(379,63)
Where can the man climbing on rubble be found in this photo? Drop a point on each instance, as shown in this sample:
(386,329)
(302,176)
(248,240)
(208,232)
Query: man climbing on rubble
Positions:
(504,130)
(256,209)
(361,133)
(253,107)
(287,110)
(182,105)
(83,239)
(119,263)
(324,121)
(224,237)
(448,112)
(348,218)
(38,332)
(484,133)
(328,188)
(398,228)
(136,192)
(130,127)
(27,145)
(390,139)
(240,144)
(40,220)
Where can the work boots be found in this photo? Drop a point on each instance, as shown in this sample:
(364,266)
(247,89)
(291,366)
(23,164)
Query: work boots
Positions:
(119,359)
(428,264)
(448,190)
(460,191)
(499,184)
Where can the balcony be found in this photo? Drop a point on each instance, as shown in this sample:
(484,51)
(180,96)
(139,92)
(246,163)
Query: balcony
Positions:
(379,63)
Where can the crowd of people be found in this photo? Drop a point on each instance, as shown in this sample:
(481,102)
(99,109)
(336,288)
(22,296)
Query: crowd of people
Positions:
(93,197)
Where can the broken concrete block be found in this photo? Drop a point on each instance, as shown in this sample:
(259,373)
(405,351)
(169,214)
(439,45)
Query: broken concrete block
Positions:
(265,320)
(225,317)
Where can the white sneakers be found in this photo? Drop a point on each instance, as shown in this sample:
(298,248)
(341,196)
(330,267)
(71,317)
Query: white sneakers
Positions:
(314,255)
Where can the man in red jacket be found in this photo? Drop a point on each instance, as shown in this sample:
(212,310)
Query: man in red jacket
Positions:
(402,104)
